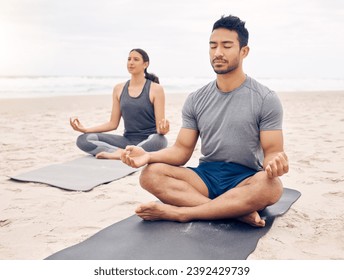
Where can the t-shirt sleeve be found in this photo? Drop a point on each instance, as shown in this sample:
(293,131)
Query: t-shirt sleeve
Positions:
(272,113)
(188,117)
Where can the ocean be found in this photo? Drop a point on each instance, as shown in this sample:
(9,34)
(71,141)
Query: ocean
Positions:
(48,86)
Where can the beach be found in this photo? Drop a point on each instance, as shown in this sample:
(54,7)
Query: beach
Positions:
(37,220)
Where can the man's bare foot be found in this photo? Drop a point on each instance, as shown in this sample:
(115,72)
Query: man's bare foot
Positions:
(154,211)
(252,219)
(106,155)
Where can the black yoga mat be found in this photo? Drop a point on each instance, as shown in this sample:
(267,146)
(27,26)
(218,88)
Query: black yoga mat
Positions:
(135,239)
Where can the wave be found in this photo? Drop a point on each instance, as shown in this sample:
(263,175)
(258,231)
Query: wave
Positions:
(46,86)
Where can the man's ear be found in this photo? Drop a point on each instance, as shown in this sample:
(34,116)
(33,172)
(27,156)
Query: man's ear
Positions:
(244,51)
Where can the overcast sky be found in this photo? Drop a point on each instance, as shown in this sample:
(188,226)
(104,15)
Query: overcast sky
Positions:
(288,38)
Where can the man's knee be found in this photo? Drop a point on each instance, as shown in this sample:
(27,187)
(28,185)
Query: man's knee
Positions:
(149,175)
(270,188)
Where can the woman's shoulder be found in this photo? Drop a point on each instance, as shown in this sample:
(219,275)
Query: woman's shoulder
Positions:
(156,88)
(117,90)
(156,92)
(119,86)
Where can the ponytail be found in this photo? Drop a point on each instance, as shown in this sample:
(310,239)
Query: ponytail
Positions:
(152,77)
(145,58)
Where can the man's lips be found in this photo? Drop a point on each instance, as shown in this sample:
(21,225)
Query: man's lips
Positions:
(219,61)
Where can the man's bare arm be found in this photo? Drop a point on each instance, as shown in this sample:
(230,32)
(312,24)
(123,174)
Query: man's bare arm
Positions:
(177,155)
(180,152)
(275,160)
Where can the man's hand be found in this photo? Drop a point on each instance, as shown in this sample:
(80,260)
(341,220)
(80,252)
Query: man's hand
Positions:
(277,165)
(135,156)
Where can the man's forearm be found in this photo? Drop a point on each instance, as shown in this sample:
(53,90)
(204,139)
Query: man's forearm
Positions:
(172,155)
(270,157)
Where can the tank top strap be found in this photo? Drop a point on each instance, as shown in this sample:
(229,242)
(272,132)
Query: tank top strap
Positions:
(125,90)
(146,87)
(144,92)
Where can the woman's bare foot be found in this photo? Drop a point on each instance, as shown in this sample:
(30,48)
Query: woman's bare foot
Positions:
(106,155)
(154,211)
(252,219)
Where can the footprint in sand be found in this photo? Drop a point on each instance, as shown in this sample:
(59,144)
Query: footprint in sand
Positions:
(103,196)
(334,194)
(4,222)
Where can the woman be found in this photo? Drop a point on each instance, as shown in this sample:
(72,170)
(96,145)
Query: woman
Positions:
(141,103)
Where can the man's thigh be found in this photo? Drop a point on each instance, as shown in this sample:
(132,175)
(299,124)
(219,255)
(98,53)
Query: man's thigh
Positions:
(263,187)
(179,173)
(260,179)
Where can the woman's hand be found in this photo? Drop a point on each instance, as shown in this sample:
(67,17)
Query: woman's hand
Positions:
(163,127)
(76,124)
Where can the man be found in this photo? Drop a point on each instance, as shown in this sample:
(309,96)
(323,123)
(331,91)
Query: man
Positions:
(239,122)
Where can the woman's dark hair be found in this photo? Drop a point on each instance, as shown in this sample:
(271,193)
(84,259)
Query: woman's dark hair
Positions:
(234,23)
(145,58)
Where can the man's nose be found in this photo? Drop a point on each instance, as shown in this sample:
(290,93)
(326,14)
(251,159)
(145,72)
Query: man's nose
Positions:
(218,52)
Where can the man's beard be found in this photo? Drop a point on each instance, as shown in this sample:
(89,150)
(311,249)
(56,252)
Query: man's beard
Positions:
(229,69)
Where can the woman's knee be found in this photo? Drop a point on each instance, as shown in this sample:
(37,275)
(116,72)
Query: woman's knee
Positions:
(83,141)
(155,142)
(163,141)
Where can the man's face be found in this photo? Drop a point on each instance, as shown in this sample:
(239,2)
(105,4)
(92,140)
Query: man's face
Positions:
(224,51)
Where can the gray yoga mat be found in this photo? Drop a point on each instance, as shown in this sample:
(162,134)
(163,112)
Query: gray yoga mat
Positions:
(134,239)
(81,174)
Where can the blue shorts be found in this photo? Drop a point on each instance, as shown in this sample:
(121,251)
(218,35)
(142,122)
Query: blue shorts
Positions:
(220,177)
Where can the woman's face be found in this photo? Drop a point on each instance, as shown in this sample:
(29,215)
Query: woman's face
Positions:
(135,63)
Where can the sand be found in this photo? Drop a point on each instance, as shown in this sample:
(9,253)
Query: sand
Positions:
(37,220)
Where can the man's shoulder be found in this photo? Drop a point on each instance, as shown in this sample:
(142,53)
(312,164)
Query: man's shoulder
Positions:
(206,89)
(258,88)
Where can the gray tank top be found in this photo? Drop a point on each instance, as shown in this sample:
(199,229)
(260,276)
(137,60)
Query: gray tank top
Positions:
(138,113)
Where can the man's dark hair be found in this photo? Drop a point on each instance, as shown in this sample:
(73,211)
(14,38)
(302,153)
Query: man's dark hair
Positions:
(233,23)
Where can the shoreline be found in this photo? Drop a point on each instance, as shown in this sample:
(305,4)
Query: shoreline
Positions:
(101,94)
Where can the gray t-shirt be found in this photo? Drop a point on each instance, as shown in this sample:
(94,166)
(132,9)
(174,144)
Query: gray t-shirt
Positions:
(229,123)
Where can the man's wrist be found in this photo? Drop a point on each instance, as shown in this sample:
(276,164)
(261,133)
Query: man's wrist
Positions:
(149,158)
(152,157)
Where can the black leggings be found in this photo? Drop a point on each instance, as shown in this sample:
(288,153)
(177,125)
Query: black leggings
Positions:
(94,143)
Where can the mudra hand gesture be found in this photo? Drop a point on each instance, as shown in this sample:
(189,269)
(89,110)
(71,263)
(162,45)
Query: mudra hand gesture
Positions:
(76,124)
(163,127)
(135,156)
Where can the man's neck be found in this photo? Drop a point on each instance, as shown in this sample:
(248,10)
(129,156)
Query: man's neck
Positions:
(231,81)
